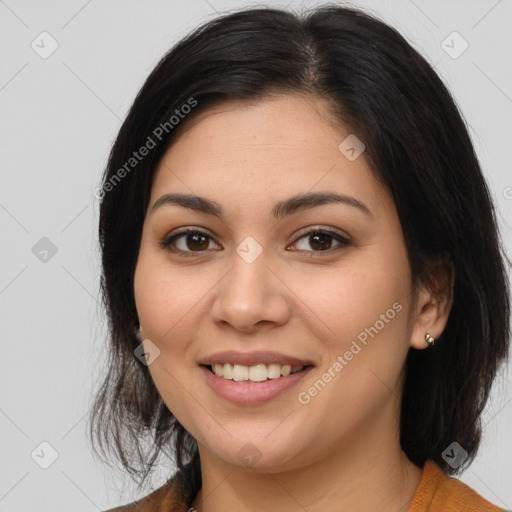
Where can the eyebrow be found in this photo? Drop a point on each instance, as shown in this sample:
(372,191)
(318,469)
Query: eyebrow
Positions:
(280,210)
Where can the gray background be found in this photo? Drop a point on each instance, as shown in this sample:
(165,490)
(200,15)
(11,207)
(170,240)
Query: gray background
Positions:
(59,116)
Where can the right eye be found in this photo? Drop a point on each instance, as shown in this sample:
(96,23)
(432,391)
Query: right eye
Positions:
(187,242)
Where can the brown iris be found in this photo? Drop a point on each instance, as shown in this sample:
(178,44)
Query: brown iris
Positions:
(320,239)
(198,241)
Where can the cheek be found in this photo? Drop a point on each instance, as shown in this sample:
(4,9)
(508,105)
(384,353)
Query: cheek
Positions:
(347,301)
(365,355)
(164,302)
(365,307)
(162,297)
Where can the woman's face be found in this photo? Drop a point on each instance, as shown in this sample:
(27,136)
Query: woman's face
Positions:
(257,285)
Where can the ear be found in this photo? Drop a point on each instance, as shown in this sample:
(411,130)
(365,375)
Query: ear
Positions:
(433,305)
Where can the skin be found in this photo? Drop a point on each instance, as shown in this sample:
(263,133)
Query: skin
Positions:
(341,450)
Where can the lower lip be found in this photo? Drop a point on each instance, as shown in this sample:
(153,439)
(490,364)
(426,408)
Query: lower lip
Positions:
(252,393)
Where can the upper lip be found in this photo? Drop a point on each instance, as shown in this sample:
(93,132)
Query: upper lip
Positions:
(254,358)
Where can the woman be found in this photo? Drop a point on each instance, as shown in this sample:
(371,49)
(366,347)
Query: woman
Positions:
(301,268)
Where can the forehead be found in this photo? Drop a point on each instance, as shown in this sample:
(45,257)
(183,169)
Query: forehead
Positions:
(290,118)
(283,143)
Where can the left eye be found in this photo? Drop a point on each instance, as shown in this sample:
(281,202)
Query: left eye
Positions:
(191,241)
(321,240)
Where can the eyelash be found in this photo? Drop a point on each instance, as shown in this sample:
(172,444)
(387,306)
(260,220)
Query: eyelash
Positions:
(167,242)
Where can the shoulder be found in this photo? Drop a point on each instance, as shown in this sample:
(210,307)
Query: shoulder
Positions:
(438,492)
(174,496)
(152,502)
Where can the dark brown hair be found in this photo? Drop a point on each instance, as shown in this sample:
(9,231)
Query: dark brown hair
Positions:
(418,146)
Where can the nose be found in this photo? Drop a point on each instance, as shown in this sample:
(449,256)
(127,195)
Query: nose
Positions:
(251,296)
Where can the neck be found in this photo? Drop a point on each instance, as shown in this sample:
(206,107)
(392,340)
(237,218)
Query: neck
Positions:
(365,474)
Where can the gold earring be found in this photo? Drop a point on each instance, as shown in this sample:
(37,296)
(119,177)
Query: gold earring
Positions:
(429,339)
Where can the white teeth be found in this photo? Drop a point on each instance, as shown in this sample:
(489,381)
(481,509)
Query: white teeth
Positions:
(240,372)
(274,371)
(227,371)
(257,373)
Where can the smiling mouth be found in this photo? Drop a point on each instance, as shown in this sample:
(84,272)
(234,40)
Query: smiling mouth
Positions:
(257,373)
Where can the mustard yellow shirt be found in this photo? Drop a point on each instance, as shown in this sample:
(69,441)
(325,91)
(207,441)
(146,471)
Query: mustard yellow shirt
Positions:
(436,492)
